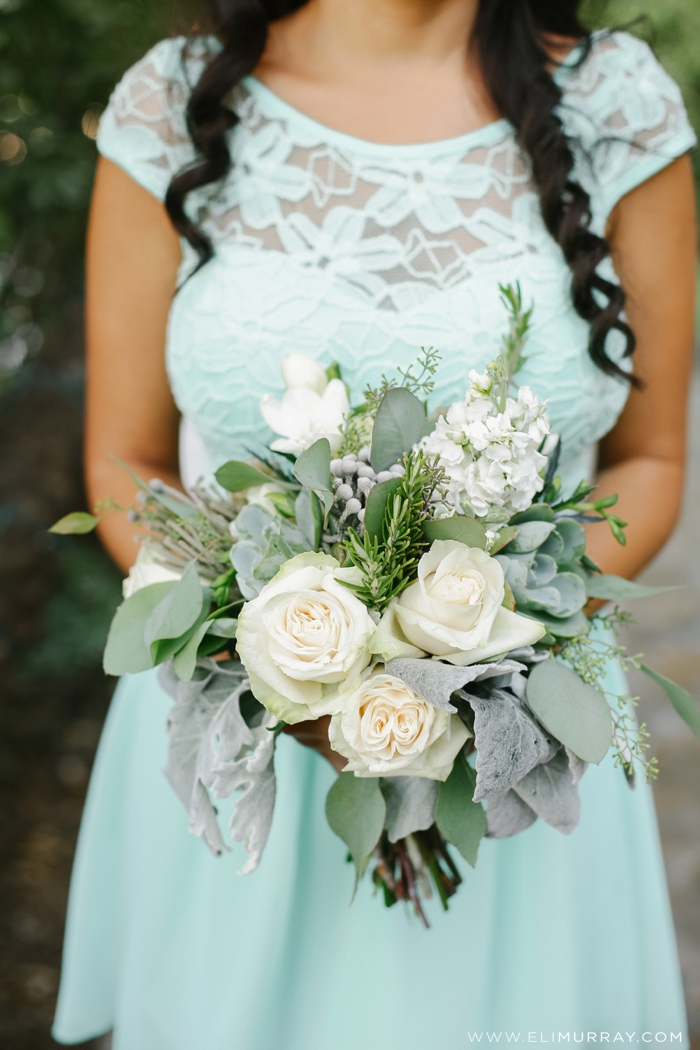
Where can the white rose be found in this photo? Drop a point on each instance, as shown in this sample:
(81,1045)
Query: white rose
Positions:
(302,370)
(145,571)
(303,416)
(303,635)
(454,609)
(386,729)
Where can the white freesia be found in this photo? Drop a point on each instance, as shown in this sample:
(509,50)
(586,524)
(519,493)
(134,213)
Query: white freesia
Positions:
(304,635)
(386,729)
(454,610)
(311,407)
(491,458)
(302,370)
(147,569)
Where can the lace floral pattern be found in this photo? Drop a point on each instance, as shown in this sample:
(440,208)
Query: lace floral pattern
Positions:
(362,252)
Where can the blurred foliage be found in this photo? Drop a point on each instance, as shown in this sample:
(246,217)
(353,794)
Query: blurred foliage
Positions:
(59,60)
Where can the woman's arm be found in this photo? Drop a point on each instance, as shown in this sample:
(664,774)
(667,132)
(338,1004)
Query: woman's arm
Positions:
(133,254)
(652,233)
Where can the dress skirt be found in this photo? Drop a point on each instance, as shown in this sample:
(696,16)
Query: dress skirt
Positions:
(551,938)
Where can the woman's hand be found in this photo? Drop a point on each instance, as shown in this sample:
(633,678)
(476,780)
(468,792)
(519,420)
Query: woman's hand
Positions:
(314,734)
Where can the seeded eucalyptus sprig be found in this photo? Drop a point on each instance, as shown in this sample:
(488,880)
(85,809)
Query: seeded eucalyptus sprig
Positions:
(388,559)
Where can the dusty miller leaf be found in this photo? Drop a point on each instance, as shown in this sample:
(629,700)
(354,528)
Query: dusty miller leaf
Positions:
(509,742)
(436,681)
(410,805)
(549,791)
(507,815)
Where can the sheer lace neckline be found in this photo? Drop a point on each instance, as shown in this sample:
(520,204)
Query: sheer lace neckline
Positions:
(276,106)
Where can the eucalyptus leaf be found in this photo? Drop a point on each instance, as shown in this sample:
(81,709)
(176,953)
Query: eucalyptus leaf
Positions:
(410,805)
(126,651)
(185,659)
(178,611)
(236,476)
(509,742)
(468,531)
(355,810)
(507,815)
(461,820)
(398,426)
(436,681)
(575,712)
(309,517)
(75,524)
(681,699)
(550,792)
(376,506)
(313,467)
(224,627)
(617,589)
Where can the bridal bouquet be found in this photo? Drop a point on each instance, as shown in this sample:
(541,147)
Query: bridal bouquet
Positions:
(417,582)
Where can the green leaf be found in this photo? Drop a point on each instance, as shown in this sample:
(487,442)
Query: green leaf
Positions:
(505,535)
(561,628)
(178,611)
(75,524)
(617,589)
(468,531)
(126,651)
(376,506)
(398,426)
(309,516)
(537,512)
(576,713)
(681,699)
(461,820)
(313,468)
(355,810)
(531,535)
(235,476)
(164,648)
(185,659)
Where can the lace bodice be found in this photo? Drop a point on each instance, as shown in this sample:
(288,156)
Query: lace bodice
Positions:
(362,252)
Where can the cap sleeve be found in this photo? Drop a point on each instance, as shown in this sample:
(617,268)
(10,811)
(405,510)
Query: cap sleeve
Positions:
(143,128)
(626,116)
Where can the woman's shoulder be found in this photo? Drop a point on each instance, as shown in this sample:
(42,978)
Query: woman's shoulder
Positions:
(624,114)
(144,127)
(618,86)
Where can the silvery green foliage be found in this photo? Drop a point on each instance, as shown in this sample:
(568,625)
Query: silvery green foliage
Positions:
(507,815)
(265,543)
(411,803)
(541,564)
(509,742)
(550,792)
(212,746)
(436,681)
(353,480)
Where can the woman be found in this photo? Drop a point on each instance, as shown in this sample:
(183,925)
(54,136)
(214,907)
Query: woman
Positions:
(353,181)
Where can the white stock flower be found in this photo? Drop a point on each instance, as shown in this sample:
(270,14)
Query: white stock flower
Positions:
(303,635)
(386,729)
(302,370)
(491,458)
(303,416)
(145,571)
(454,610)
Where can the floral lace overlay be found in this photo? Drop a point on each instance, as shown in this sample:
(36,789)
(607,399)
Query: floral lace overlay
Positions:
(362,252)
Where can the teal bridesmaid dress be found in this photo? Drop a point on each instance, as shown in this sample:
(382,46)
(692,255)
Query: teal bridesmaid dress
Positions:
(360,253)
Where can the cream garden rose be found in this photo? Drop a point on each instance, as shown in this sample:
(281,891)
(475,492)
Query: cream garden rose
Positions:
(454,610)
(304,635)
(386,729)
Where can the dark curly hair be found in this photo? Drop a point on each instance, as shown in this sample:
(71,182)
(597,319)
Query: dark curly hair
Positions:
(509,39)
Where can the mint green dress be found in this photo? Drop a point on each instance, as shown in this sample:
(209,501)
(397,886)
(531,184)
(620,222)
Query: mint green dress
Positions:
(360,252)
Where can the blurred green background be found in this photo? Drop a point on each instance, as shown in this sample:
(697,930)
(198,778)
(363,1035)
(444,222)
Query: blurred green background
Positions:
(59,60)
